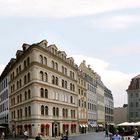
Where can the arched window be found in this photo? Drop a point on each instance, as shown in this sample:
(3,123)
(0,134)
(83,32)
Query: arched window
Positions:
(52,64)
(71,99)
(25,64)
(29,94)
(66,84)
(46,93)
(17,84)
(66,112)
(41,76)
(20,83)
(65,71)
(46,77)
(53,79)
(26,112)
(79,103)
(71,113)
(45,60)
(20,97)
(28,61)
(29,110)
(25,79)
(56,80)
(46,110)
(70,86)
(13,87)
(25,95)
(62,83)
(63,112)
(20,113)
(42,92)
(73,87)
(29,77)
(42,110)
(53,111)
(57,111)
(41,59)
(56,66)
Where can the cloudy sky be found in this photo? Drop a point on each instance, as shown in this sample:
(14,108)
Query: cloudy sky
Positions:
(105,33)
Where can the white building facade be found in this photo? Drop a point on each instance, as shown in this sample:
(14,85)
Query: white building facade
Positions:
(43,91)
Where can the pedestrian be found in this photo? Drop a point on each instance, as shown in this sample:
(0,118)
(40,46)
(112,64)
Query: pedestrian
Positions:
(136,134)
(66,134)
(117,136)
(14,134)
(106,132)
(2,136)
(25,135)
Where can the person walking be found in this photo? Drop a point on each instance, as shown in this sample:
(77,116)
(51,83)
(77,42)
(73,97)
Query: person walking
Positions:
(117,136)
(136,134)
(66,134)
(2,136)
(25,135)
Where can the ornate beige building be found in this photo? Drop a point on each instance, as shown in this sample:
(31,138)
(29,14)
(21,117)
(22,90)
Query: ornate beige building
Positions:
(43,91)
(91,96)
(82,108)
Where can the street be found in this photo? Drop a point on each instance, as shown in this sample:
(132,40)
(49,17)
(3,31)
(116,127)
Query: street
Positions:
(90,136)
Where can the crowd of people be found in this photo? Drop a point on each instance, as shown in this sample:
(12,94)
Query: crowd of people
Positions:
(119,135)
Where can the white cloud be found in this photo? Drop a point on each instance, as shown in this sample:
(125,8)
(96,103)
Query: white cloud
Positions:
(1,68)
(116,22)
(122,49)
(116,81)
(62,8)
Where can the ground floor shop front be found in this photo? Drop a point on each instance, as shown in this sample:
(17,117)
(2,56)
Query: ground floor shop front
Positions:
(51,129)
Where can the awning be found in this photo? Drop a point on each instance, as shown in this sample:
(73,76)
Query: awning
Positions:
(42,125)
(83,125)
(29,125)
(47,125)
(86,125)
(100,125)
(93,125)
(65,124)
(73,124)
(25,125)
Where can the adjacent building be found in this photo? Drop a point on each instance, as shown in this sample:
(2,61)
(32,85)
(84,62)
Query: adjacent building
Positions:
(82,99)
(91,96)
(109,106)
(133,96)
(4,99)
(100,103)
(120,118)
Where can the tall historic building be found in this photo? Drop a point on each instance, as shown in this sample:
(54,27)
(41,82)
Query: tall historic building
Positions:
(133,96)
(91,96)
(100,102)
(82,97)
(4,97)
(43,92)
(109,106)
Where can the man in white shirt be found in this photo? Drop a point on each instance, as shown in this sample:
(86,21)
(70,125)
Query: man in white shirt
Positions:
(25,135)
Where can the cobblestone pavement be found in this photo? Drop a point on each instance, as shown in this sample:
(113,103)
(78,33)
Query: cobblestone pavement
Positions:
(87,136)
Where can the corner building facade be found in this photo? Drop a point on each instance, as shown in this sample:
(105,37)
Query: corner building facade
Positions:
(43,92)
